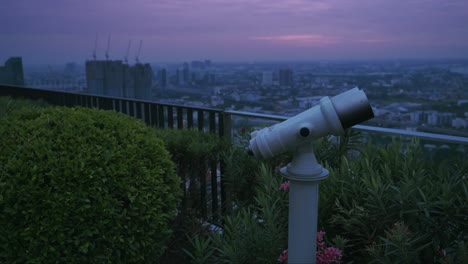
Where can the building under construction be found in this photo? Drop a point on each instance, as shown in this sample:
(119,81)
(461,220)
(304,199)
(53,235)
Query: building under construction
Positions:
(12,72)
(115,78)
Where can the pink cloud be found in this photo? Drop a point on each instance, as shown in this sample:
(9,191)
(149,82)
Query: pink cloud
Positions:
(300,40)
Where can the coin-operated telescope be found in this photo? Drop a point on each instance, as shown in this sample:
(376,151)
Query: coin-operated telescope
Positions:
(330,117)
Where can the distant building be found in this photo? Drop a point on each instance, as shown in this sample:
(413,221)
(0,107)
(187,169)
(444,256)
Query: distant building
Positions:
(12,72)
(267,78)
(286,77)
(187,77)
(114,78)
(162,78)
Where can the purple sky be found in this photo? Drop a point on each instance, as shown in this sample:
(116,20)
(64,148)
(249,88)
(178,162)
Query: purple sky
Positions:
(58,31)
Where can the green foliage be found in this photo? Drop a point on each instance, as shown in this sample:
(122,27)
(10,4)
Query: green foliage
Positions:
(202,250)
(364,198)
(254,234)
(194,154)
(240,175)
(399,245)
(8,105)
(83,186)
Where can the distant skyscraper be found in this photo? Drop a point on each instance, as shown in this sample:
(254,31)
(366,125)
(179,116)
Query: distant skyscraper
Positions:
(143,80)
(12,72)
(162,78)
(113,78)
(267,78)
(186,74)
(286,77)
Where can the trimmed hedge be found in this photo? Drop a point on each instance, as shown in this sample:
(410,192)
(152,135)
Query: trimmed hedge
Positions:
(8,105)
(83,186)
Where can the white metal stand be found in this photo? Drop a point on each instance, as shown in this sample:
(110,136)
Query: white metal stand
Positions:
(304,174)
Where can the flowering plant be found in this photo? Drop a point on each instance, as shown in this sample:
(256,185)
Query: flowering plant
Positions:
(324,255)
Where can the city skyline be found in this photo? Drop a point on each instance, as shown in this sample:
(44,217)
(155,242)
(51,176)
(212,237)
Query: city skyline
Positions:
(52,31)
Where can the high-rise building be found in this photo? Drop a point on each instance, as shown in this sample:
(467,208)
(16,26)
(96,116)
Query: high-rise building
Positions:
(186,74)
(267,78)
(143,80)
(115,78)
(286,77)
(162,78)
(12,72)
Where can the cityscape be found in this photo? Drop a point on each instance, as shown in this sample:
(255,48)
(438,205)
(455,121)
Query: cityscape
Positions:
(418,95)
(176,131)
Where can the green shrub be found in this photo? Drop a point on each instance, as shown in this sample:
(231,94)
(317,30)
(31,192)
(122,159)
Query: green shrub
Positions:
(382,204)
(253,234)
(195,155)
(83,186)
(8,105)
(389,189)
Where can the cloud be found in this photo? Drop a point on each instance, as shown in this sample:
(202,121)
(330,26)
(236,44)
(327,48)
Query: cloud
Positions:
(213,25)
(299,40)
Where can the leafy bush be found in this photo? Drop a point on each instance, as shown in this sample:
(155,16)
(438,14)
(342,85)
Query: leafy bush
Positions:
(394,206)
(381,204)
(254,234)
(8,105)
(83,186)
(196,155)
(240,175)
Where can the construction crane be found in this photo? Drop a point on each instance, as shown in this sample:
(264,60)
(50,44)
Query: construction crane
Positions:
(138,53)
(107,49)
(128,50)
(95,47)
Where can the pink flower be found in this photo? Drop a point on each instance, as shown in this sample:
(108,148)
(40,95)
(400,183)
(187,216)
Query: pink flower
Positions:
(325,255)
(329,255)
(283,257)
(284,186)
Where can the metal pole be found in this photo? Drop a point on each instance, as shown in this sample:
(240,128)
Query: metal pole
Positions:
(304,174)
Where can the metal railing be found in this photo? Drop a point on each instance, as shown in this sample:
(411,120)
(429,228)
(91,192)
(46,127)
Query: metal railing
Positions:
(370,129)
(209,120)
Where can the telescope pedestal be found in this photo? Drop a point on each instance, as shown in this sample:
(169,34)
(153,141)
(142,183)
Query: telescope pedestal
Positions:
(304,174)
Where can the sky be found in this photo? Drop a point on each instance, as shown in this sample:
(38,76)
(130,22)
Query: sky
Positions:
(60,31)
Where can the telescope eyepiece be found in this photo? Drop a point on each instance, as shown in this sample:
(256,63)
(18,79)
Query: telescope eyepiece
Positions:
(352,107)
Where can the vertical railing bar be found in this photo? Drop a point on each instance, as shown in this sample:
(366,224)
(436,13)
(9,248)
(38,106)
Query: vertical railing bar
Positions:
(138,113)
(200,120)
(161,116)
(203,195)
(124,107)
(180,118)
(212,122)
(189,118)
(129,108)
(214,191)
(223,189)
(147,113)
(154,115)
(170,117)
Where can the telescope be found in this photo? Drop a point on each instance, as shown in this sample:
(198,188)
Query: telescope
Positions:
(330,117)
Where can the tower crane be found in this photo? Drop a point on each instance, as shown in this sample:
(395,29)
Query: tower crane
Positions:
(138,53)
(107,49)
(128,50)
(95,47)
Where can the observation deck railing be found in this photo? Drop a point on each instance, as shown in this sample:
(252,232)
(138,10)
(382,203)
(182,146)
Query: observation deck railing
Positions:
(209,120)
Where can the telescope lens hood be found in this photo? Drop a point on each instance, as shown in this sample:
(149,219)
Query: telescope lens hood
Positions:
(352,107)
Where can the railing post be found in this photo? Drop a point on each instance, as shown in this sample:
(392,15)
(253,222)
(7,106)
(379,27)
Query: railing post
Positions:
(200,120)
(189,118)
(180,118)
(226,126)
